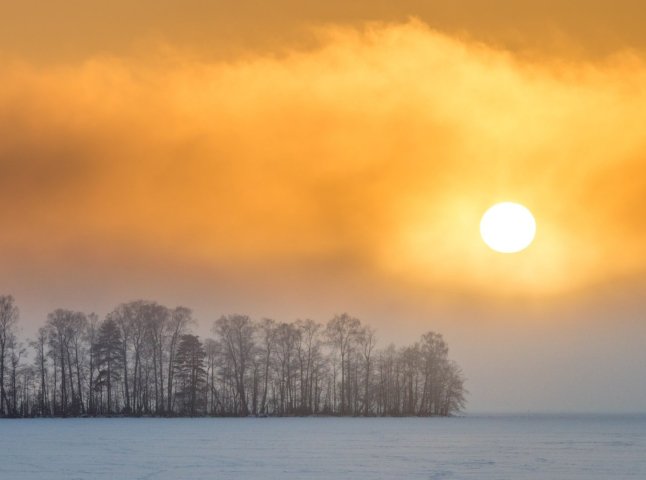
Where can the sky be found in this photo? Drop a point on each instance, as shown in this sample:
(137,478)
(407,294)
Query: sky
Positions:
(299,159)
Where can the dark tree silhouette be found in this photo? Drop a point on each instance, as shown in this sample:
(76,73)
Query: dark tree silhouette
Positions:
(341,332)
(237,336)
(109,359)
(8,320)
(190,374)
(65,328)
(142,359)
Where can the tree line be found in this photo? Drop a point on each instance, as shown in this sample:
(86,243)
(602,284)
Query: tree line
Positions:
(143,359)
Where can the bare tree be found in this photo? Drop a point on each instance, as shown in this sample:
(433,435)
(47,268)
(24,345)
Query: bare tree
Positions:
(16,352)
(434,360)
(139,335)
(212,350)
(308,350)
(38,345)
(122,317)
(367,341)
(191,374)
(180,319)
(236,333)
(267,334)
(109,358)
(8,320)
(90,337)
(143,359)
(454,392)
(341,333)
(157,318)
(59,326)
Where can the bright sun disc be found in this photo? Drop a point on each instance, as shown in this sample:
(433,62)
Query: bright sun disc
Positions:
(508,227)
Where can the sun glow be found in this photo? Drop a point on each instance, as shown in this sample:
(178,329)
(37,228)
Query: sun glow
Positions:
(508,227)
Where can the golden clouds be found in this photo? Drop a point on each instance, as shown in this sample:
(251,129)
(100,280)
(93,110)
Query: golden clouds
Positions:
(379,151)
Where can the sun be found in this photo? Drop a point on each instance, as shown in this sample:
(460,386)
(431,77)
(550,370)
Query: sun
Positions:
(508,227)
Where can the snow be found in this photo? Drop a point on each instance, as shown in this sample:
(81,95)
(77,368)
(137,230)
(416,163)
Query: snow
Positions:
(473,447)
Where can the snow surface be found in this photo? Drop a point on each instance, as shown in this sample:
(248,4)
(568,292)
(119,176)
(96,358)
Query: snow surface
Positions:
(473,447)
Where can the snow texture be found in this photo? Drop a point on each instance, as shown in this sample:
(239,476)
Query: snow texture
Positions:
(565,447)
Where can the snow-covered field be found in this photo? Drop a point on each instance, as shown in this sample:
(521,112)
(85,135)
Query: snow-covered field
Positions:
(474,447)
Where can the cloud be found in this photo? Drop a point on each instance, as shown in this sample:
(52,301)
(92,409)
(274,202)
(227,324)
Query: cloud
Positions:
(376,152)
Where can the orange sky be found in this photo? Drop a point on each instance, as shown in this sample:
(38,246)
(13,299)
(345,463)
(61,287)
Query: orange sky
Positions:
(300,161)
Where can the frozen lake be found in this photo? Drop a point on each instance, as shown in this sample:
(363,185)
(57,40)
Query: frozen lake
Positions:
(473,447)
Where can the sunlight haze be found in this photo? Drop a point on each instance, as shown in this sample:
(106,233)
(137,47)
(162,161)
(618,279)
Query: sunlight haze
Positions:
(301,159)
